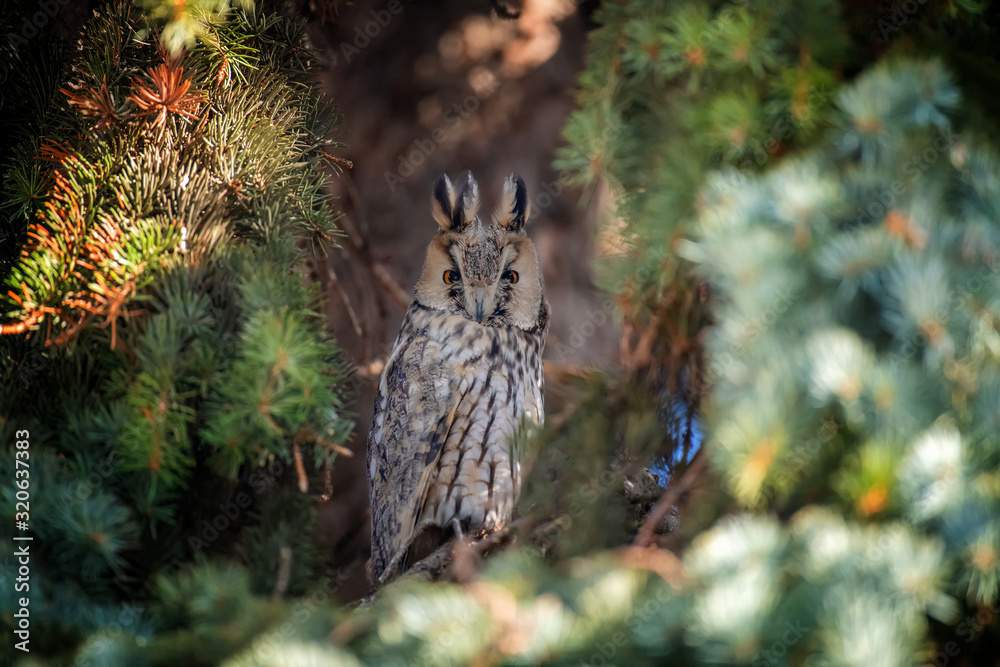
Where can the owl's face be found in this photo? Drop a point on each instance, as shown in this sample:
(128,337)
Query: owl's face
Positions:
(487,273)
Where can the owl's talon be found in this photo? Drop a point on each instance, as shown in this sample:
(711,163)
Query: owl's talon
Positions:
(457,526)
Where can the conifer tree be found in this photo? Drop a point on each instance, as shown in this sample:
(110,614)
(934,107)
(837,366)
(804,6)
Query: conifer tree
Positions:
(184,403)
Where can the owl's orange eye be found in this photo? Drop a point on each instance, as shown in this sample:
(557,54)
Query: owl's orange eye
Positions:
(510,275)
(451,276)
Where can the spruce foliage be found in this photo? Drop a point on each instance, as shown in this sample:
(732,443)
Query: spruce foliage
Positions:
(159,344)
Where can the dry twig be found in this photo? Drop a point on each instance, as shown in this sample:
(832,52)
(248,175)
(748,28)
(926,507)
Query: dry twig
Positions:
(669,499)
(351,313)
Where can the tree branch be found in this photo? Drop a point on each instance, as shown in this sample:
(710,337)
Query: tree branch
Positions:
(673,493)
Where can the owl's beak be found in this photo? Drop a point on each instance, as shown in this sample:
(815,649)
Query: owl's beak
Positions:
(479,297)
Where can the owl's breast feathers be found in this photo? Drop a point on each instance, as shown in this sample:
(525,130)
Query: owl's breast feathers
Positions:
(451,395)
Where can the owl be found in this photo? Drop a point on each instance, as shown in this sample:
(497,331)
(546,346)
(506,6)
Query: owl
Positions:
(464,374)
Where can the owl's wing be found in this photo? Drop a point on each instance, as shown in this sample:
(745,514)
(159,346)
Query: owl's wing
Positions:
(414,410)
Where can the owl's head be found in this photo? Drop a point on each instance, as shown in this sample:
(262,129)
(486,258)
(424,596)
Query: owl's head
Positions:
(486,272)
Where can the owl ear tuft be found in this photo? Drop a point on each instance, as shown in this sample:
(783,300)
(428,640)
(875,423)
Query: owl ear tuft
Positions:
(513,209)
(466,202)
(443,202)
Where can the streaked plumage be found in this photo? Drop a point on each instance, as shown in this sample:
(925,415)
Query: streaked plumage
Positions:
(464,373)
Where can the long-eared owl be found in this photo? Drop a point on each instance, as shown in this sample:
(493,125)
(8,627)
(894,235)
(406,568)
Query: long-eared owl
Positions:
(464,374)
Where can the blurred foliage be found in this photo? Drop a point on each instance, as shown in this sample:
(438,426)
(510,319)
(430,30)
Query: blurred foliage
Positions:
(873,388)
(182,25)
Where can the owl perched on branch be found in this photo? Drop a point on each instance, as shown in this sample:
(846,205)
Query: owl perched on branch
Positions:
(464,374)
